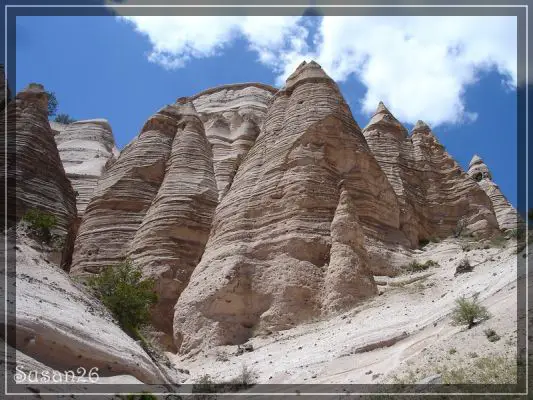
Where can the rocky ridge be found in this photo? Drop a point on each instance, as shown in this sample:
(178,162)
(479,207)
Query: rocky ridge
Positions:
(257,209)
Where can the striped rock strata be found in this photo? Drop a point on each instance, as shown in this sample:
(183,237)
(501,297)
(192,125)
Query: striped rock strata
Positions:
(155,205)
(38,173)
(437,197)
(85,148)
(232,116)
(288,240)
(505,212)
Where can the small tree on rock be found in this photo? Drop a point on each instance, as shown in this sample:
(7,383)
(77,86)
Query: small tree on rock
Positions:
(129,297)
(52,104)
(468,312)
(64,119)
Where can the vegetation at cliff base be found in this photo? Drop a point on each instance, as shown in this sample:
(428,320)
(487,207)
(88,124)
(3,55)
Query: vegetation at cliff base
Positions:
(126,294)
(40,223)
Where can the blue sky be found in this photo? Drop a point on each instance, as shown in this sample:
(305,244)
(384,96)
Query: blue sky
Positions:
(103,67)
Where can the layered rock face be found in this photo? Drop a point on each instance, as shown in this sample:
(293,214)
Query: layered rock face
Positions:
(288,240)
(41,182)
(232,116)
(505,212)
(85,148)
(155,205)
(437,197)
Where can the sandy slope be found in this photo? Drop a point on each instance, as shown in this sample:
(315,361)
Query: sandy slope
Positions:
(62,326)
(412,319)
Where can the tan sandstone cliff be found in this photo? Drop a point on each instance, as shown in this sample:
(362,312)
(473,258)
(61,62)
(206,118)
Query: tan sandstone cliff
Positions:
(38,173)
(505,212)
(288,240)
(232,116)
(437,197)
(154,205)
(85,148)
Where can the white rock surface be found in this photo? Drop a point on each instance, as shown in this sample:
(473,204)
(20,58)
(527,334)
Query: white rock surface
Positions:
(60,325)
(86,148)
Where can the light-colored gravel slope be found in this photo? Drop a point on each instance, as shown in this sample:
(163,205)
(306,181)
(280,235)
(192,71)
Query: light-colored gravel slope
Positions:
(404,329)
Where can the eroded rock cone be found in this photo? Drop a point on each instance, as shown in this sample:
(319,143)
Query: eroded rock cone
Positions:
(287,241)
(505,213)
(437,197)
(37,173)
(154,205)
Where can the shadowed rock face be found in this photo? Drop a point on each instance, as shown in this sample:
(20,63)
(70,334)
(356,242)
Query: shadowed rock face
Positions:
(288,240)
(85,148)
(38,174)
(505,212)
(154,204)
(437,197)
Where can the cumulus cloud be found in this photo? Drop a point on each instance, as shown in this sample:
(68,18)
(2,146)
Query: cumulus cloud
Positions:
(177,39)
(419,66)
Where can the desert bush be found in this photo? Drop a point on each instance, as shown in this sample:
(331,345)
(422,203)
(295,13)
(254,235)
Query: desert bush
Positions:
(142,396)
(423,243)
(129,297)
(468,312)
(485,370)
(204,385)
(41,223)
(52,104)
(491,335)
(415,266)
(64,119)
(459,228)
(245,378)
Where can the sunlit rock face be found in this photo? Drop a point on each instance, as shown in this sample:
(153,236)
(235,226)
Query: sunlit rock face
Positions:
(232,116)
(505,212)
(292,238)
(154,205)
(86,148)
(35,168)
(437,197)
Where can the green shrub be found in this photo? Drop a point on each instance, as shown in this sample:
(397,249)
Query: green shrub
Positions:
(64,119)
(485,370)
(415,266)
(245,379)
(124,292)
(491,335)
(517,233)
(143,396)
(52,104)
(423,243)
(41,223)
(468,312)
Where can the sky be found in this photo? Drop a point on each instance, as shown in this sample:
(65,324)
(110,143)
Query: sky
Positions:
(458,74)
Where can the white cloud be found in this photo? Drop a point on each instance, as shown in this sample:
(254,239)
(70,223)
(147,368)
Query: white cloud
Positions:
(419,66)
(175,39)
